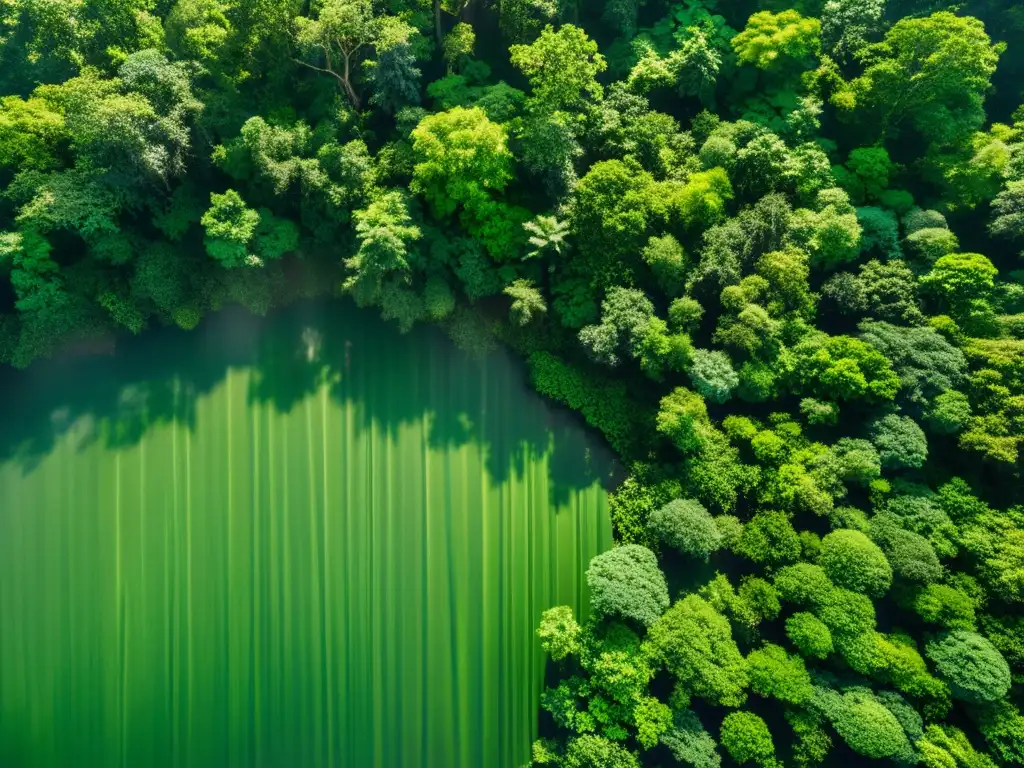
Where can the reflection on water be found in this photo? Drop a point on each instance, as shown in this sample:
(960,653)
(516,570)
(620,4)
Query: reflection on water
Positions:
(297,541)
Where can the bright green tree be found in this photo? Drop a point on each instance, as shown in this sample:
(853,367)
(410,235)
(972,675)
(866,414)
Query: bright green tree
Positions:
(559,632)
(851,560)
(562,67)
(747,739)
(809,634)
(775,674)
(230,226)
(771,38)
(695,643)
(928,74)
(461,158)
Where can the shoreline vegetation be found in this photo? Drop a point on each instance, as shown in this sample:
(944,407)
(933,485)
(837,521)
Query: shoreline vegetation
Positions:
(771,250)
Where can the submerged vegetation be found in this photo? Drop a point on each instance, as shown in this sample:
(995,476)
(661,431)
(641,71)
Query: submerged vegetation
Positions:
(771,250)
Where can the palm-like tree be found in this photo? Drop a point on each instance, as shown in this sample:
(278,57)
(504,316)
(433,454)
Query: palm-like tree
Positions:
(547,234)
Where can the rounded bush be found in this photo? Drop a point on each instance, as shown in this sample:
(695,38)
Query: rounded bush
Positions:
(868,727)
(900,442)
(627,582)
(712,374)
(679,415)
(846,612)
(809,634)
(931,244)
(950,412)
(747,739)
(803,584)
(694,642)
(718,152)
(559,632)
(974,669)
(910,554)
(760,597)
(731,530)
(918,219)
(777,674)
(186,318)
(946,605)
(685,524)
(852,560)
(819,411)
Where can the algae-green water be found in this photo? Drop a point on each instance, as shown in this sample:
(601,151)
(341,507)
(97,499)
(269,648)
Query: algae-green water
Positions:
(299,541)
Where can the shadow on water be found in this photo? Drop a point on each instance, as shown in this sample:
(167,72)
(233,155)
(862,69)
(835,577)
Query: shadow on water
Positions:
(157,378)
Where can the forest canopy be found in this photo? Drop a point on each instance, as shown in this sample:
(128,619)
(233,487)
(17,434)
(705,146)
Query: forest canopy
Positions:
(771,251)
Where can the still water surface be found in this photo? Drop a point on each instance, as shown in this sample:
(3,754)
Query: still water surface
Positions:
(297,541)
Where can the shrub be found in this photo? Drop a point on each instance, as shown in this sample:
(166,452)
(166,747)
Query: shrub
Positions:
(680,415)
(868,727)
(852,560)
(812,742)
(559,632)
(900,442)
(1002,725)
(712,375)
(684,314)
(847,613)
(685,524)
(631,505)
(949,413)
(627,582)
(605,405)
(774,673)
(917,219)
(809,634)
(769,537)
(909,553)
(695,643)
(975,670)
(948,747)
(667,260)
(747,739)
(715,474)
(945,605)
(803,584)
(819,411)
(730,529)
(689,743)
(760,597)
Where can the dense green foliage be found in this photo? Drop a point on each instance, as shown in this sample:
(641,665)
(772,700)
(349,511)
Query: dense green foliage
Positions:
(770,250)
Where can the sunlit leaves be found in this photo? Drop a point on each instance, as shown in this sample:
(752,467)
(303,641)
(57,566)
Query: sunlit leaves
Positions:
(562,67)
(771,37)
(461,158)
(229,226)
(928,73)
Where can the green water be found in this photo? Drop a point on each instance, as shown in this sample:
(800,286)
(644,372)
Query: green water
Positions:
(303,541)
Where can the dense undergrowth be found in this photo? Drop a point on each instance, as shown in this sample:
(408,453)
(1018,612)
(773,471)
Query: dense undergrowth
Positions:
(770,249)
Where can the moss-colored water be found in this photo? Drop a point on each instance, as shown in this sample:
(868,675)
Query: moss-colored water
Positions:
(305,541)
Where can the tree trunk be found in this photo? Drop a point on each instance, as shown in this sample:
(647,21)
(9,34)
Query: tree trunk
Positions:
(352,96)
